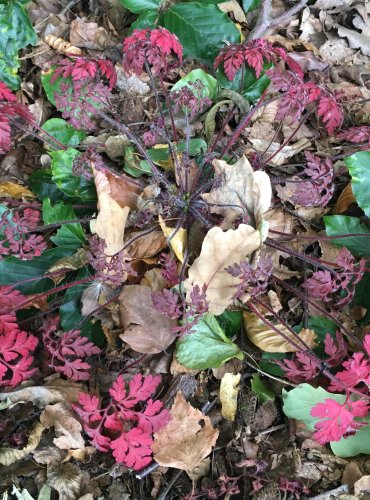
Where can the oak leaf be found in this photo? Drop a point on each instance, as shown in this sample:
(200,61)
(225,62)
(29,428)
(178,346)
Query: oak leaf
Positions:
(241,190)
(186,440)
(219,250)
(146,330)
(268,340)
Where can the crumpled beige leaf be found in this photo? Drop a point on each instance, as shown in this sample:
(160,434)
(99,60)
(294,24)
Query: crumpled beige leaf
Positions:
(355,39)
(287,152)
(241,189)
(53,391)
(186,440)
(234,7)
(146,330)
(94,296)
(67,428)
(269,341)
(147,246)
(116,196)
(177,241)
(219,250)
(10,455)
(229,390)
(67,479)
(15,190)
(89,35)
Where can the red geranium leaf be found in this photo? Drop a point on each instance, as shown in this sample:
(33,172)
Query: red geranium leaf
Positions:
(133,448)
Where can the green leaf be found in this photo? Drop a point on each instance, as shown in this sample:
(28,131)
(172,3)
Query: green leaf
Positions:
(259,388)
(69,235)
(70,184)
(211,86)
(359,168)
(141,6)
(62,132)
(336,225)
(201,29)
(53,88)
(249,5)
(252,88)
(207,347)
(16,32)
(298,403)
(210,121)
(133,166)
(321,326)
(230,322)
(13,270)
(362,297)
(43,186)
(147,20)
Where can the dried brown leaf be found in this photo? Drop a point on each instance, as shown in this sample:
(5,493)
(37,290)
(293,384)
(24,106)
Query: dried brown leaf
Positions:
(219,250)
(67,427)
(346,198)
(14,190)
(186,440)
(10,455)
(147,246)
(89,35)
(146,330)
(52,392)
(234,7)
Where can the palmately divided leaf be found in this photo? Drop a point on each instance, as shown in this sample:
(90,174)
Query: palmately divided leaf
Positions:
(219,250)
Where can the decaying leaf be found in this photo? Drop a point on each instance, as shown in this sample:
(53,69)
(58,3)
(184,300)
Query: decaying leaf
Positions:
(52,392)
(66,479)
(241,190)
(14,190)
(146,330)
(346,198)
(94,296)
(287,152)
(67,428)
(147,246)
(186,440)
(234,7)
(10,455)
(89,35)
(74,262)
(229,390)
(177,239)
(269,341)
(219,250)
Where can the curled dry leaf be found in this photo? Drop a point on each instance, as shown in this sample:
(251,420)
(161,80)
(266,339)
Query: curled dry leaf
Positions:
(270,341)
(146,330)
(287,152)
(241,190)
(234,7)
(10,455)
(14,190)
(147,246)
(72,263)
(52,392)
(62,46)
(177,239)
(186,440)
(67,428)
(88,35)
(346,198)
(229,390)
(219,250)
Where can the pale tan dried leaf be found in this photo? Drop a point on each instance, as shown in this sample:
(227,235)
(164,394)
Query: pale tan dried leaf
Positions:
(154,279)
(14,190)
(94,296)
(274,301)
(266,114)
(67,428)
(146,330)
(62,46)
(219,250)
(66,479)
(10,455)
(234,7)
(49,455)
(229,390)
(176,368)
(186,440)
(81,454)
(89,35)
(201,470)
(291,44)
(287,152)
(269,341)
(232,366)
(177,240)
(52,392)
(355,39)
(147,246)
(241,190)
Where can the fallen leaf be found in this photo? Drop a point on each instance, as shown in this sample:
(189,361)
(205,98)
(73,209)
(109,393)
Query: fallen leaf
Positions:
(147,246)
(94,296)
(88,35)
(200,470)
(234,7)
(177,240)
(154,279)
(241,190)
(61,45)
(67,428)
(52,392)
(67,480)
(10,455)
(284,154)
(15,190)
(74,262)
(229,390)
(219,250)
(49,455)
(186,440)
(268,340)
(346,198)
(146,330)
(355,39)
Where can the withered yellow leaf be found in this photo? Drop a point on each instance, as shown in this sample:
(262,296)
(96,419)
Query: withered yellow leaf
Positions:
(74,262)
(15,190)
(270,341)
(219,250)
(177,239)
(229,390)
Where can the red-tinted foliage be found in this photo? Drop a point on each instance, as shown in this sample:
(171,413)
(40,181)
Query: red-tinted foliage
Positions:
(67,351)
(84,68)
(356,134)
(123,425)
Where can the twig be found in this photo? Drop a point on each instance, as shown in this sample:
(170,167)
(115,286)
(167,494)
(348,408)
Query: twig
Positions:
(265,22)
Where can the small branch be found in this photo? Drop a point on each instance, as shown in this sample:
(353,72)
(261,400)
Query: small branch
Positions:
(265,22)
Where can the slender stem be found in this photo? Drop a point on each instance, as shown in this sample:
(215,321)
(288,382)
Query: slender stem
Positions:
(318,237)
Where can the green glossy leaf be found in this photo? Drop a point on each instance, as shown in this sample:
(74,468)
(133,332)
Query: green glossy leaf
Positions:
(141,6)
(69,235)
(70,184)
(262,391)
(321,326)
(336,225)
(201,29)
(62,132)
(359,168)
(298,403)
(147,20)
(133,166)
(43,186)
(251,87)
(211,86)
(16,32)
(230,322)
(13,270)
(207,347)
